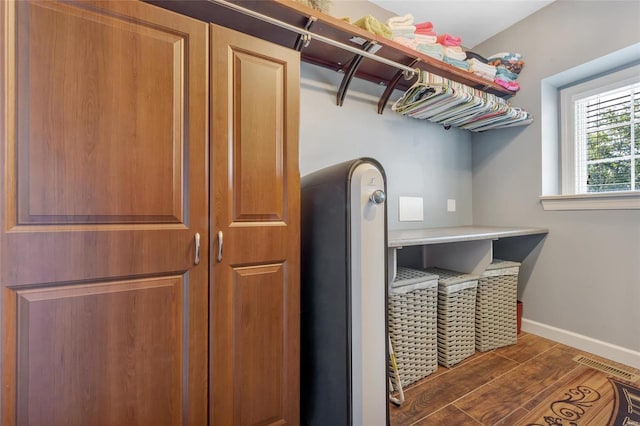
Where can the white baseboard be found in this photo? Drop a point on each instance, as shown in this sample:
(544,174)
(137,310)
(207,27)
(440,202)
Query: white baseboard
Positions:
(584,343)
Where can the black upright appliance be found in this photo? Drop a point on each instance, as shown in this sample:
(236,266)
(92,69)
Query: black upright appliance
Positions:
(344,296)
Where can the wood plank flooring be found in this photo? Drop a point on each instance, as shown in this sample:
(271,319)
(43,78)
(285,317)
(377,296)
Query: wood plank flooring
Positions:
(517,385)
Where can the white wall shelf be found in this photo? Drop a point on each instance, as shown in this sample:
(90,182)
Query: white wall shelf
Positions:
(460,248)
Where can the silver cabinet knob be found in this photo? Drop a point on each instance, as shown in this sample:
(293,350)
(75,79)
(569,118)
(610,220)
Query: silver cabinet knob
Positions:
(378,196)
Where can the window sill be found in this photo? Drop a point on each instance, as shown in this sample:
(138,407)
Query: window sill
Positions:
(628,200)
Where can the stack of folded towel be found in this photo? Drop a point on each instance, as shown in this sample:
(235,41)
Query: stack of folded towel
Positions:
(425,34)
(401,25)
(434,50)
(502,68)
(479,66)
(508,66)
(418,36)
(402,30)
(454,55)
(406,41)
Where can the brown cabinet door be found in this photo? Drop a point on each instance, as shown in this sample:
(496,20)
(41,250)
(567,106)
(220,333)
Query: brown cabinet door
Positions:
(104,186)
(255,209)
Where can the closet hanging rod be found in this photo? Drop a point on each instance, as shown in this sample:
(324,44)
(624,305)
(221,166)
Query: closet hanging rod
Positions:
(408,71)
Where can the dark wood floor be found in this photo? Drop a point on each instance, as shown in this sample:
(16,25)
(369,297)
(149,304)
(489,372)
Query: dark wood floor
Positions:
(514,385)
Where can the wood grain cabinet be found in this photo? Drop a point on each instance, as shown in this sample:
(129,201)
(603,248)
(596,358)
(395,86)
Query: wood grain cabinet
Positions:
(128,133)
(255,209)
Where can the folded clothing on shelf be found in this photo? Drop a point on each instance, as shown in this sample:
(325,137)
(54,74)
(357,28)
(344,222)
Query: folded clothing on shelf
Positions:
(504,74)
(433,50)
(405,31)
(423,38)
(449,40)
(477,67)
(509,85)
(457,63)
(511,61)
(425,28)
(406,41)
(455,52)
(400,21)
(478,57)
(506,56)
(371,24)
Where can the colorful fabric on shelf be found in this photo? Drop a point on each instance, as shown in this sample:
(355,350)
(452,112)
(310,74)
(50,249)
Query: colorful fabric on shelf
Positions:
(449,40)
(513,67)
(425,28)
(511,61)
(506,56)
(504,74)
(509,85)
(374,26)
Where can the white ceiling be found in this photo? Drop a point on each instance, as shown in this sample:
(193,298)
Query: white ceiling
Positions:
(473,20)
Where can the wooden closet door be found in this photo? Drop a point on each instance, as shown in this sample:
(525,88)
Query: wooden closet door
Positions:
(104,186)
(255,205)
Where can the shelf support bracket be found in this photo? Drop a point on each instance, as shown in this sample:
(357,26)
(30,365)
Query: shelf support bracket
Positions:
(392,85)
(350,72)
(303,40)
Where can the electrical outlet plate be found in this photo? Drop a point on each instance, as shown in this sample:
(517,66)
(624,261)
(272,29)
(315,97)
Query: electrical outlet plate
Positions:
(410,209)
(451,205)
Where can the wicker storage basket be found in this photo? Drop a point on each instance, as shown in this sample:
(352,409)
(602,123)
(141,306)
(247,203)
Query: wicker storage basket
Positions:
(412,323)
(456,315)
(496,300)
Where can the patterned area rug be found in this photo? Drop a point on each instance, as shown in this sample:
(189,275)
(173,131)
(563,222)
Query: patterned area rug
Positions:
(574,408)
(626,410)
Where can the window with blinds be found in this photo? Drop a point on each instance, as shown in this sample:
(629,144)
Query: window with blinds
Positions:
(607,141)
(600,128)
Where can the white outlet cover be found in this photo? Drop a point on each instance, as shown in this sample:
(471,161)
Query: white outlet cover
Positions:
(410,209)
(451,205)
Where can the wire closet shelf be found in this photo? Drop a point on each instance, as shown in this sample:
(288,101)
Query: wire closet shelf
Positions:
(431,97)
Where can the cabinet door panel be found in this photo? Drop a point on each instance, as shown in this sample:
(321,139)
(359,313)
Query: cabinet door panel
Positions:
(81,346)
(76,121)
(259,327)
(255,204)
(259,163)
(104,185)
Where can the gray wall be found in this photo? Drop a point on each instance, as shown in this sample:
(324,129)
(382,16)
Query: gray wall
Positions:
(420,158)
(585,277)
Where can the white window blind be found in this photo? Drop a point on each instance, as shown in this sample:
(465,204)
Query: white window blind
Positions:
(607,144)
(591,160)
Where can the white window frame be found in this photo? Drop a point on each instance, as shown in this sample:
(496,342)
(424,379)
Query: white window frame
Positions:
(569,198)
